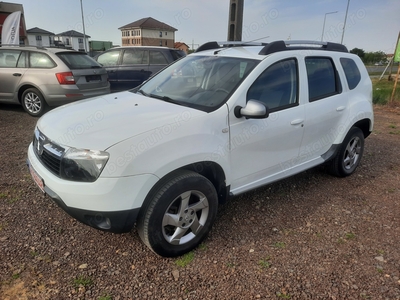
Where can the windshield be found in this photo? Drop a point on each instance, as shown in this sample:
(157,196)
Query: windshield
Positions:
(202,82)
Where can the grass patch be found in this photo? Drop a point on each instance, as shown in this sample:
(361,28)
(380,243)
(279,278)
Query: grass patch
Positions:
(82,281)
(265,263)
(185,259)
(350,236)
(15,276)
(283,295)
(105,297)
(203,247)
(34,253)
(382,91)
(280,245)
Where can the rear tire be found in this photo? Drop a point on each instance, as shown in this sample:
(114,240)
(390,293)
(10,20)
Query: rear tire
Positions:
(33,102)
(349,156)
(179,214)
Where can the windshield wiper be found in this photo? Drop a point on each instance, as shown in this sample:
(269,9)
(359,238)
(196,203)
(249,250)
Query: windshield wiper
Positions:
(164,98)
(143,93)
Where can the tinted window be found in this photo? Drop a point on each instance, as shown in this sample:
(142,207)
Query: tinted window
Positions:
(177,54)
(9,58)
(76,60)
(276,86)
(157,58)
(135,57)
(322,78)
(40,60)
(109,58)
(353,75)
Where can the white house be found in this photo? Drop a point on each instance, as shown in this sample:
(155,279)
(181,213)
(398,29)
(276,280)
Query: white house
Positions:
(73,40)
(40,37)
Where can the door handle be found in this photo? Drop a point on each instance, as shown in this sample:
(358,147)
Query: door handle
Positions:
(17,74)
(297,122)
(340,108)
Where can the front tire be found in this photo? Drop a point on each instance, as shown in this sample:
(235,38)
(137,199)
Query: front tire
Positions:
(33,102)
(179,214)
(350,153)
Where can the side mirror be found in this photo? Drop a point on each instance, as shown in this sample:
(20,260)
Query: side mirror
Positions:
(253,110)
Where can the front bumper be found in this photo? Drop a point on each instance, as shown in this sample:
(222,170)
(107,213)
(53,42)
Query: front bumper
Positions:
(115,221)
(109,204)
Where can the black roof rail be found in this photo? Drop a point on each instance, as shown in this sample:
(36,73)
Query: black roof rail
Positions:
(301,45)
(226,44)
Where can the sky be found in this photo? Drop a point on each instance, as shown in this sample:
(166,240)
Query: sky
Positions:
(372,25)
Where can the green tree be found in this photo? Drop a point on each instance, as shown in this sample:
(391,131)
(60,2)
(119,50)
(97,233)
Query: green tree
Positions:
(359,52)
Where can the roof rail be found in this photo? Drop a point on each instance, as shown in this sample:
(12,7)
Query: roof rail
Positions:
(22,46)
(226,44)
(301,45)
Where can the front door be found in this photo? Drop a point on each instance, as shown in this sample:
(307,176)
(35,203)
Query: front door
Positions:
(263,150)
(12,68)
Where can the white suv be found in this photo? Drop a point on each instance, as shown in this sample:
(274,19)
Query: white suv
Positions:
(220,122)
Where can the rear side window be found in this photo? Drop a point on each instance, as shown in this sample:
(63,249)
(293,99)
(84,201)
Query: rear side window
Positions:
(352,72)
(176,54)
(322,78)
(40,60)
(76,60)
(9,58)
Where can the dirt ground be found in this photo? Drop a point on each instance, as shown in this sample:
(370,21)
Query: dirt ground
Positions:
(311,236)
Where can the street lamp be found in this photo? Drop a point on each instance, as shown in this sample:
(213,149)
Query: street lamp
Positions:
(323,27)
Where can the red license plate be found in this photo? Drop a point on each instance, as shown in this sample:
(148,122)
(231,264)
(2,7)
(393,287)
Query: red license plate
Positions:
(39,181)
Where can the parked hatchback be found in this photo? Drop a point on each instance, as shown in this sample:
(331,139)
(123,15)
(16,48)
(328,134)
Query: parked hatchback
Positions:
(128,67)
(39,77)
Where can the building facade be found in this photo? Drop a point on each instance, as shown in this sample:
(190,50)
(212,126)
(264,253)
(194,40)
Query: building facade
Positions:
(72,40)
(40,37)
(148,32)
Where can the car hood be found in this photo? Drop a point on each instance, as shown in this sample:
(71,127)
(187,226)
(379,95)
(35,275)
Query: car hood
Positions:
(99,123)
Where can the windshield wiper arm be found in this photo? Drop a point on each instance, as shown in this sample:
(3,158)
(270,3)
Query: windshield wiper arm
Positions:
(164,98)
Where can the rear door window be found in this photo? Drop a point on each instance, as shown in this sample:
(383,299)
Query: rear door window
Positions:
(40,60)
(157,58)
(352,72)
(323,80)
(135,57)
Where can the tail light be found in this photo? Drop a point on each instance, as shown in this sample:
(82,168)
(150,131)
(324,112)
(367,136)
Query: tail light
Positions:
(65,78)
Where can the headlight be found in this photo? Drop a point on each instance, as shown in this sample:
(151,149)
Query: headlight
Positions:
(83,165)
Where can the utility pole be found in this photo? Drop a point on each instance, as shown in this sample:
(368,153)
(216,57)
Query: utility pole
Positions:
(345,19)
(235,24)
(83,24)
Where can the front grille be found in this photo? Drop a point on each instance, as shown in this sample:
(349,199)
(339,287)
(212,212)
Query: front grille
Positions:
(48,152)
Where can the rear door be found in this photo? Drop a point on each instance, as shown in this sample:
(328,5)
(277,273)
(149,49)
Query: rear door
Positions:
(12,69)
(134,68)
(326,109)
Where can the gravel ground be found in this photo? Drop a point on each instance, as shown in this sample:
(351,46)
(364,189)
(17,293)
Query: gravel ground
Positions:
(312,236)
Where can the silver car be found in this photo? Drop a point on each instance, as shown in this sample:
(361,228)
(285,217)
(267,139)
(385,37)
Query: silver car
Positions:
(37,77)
